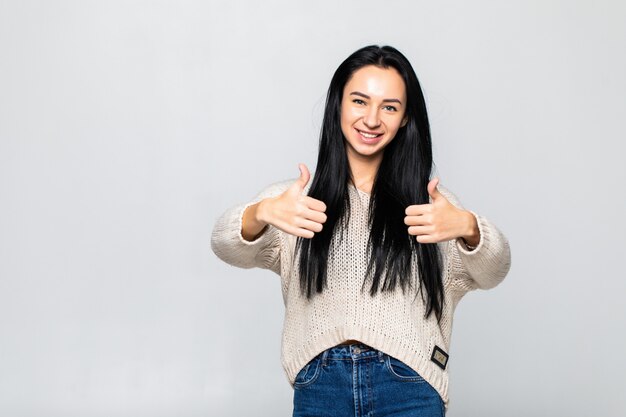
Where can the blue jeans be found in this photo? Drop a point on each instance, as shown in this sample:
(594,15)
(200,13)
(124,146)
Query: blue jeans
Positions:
(357,380)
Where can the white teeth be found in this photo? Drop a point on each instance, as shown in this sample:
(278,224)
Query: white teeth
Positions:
(368,135)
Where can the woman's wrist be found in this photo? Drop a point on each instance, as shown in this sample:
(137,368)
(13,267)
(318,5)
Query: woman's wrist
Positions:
(471,238)
(252,224)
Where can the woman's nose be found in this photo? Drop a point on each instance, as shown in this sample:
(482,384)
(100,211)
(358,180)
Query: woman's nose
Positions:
(371,119)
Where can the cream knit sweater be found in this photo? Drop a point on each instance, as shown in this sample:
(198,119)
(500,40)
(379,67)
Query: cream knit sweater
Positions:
(390,322)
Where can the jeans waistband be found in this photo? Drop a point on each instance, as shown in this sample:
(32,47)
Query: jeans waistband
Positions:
(353,351)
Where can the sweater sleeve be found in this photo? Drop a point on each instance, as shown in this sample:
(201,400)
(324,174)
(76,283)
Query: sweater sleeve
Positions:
(230,246)
(490,261)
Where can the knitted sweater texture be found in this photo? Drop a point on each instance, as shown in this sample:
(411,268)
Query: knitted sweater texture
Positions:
(392,322)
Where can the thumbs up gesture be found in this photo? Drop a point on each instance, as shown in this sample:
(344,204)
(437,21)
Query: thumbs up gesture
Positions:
(292,211)
(440,220)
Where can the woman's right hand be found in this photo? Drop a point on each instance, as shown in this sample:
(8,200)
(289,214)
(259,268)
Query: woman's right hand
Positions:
(292,212)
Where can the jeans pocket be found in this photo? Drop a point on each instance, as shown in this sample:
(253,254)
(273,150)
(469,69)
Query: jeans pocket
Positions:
(309,373)
(401,371)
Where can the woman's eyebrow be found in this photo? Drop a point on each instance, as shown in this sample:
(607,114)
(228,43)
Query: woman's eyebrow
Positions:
(387,100)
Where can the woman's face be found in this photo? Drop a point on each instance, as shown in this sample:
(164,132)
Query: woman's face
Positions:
(372,111)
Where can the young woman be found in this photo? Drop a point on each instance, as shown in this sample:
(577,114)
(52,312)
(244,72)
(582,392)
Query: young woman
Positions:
(373,255)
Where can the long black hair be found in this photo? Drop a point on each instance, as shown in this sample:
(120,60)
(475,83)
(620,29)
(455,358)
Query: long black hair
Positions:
(401,181)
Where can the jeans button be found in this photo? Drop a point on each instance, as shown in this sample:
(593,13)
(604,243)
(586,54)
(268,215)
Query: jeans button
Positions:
(357,350)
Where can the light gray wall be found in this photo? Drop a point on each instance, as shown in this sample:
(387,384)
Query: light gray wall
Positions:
(126,128)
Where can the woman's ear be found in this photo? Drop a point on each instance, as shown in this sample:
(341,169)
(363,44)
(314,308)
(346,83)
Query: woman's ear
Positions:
(404,121)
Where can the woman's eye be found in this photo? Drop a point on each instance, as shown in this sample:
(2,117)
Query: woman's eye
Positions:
(391,108)
(358,101)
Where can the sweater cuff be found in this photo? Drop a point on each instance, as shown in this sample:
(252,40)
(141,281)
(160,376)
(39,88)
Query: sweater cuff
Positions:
(489,263)
(261,238)
(230,246)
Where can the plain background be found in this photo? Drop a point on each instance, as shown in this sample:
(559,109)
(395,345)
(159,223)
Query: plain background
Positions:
(127,128)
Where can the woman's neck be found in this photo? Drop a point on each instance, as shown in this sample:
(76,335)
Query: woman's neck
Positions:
(363,171)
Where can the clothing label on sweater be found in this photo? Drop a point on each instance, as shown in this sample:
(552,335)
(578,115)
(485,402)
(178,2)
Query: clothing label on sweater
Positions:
(439,357)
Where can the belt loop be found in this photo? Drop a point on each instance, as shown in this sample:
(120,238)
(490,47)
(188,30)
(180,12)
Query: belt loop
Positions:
(380,356)
(324,355)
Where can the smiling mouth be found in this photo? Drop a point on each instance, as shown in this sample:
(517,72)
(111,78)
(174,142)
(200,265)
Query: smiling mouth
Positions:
(369,135)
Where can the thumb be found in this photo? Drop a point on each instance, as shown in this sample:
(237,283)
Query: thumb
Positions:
(304,178)
(432,189)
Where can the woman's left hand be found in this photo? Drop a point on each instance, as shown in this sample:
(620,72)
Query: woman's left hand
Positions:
(440,220)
